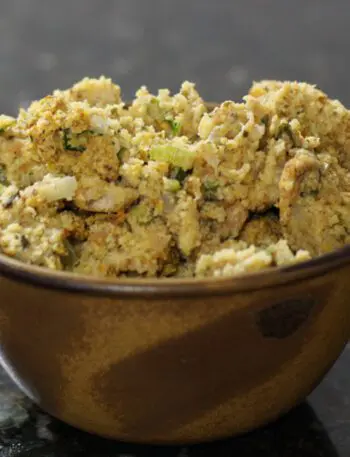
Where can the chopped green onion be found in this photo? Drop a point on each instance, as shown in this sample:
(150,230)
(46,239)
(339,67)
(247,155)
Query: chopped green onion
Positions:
(175,126)
(285,128)
(173,155)
(76,141)
(179,174)
(209,189)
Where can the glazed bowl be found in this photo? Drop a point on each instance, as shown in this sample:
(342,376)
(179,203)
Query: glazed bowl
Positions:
(173,361)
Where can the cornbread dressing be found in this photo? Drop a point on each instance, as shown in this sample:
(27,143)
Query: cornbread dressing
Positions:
(165,187)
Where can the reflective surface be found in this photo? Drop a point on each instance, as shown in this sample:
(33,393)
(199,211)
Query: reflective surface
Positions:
(317,429)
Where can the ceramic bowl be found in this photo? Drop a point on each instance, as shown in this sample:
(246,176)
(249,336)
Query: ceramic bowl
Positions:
(173,361)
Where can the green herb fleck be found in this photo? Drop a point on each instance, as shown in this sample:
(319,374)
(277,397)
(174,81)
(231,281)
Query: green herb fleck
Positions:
(179,174)
(76,141)
(285,128)
(209,189)
(175,126)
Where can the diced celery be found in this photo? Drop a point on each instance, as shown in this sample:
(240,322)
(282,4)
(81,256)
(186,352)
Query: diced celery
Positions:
(172,185)
(72,142)
(77,141)
(173,155)
(179,174)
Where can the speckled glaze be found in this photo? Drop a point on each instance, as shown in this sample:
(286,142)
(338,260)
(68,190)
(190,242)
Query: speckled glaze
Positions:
(173,361)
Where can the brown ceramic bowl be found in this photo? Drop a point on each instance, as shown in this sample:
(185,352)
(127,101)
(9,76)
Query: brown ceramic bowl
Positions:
(173,361)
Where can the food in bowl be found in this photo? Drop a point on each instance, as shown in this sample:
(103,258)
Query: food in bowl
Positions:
(167,187)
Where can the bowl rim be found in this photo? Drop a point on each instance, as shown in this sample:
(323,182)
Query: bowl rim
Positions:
(45,278)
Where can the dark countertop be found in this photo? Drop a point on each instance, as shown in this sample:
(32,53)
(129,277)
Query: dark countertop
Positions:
(222,46)
(319,428)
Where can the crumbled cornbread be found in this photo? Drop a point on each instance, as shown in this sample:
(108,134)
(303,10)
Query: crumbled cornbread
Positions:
(166,187)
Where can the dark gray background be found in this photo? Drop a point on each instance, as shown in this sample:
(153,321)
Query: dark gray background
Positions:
(222,45)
